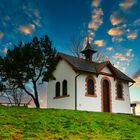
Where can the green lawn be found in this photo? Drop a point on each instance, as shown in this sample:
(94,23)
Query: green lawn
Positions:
(52,124)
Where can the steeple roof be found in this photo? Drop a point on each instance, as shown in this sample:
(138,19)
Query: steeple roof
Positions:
(88,48)
(88,51)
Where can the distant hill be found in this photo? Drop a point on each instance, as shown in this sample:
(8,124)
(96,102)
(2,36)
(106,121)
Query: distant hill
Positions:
(52,124)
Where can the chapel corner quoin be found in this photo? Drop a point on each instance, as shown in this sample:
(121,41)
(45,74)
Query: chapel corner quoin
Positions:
(83,84)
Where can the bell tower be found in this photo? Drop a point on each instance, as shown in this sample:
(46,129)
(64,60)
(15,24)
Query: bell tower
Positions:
(88,51)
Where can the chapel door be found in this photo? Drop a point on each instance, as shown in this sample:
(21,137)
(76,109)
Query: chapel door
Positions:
(106,96)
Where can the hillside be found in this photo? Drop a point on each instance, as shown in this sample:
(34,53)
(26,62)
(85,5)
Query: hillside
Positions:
(52,124)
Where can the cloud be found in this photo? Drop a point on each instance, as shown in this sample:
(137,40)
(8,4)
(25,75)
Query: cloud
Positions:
(117,64)
(27,29)
(136,78)
(1,35)
(126,4)
(132,35)
(137,22)
(96,19)
(120,56)
(109,48)
(115,31)
(96,3)
(117,39)
(5,50)
(116,18)
(99,43)
(128,55)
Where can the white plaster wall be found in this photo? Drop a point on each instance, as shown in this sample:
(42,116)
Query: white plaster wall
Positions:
(94,103)
(122,106)
(106,70)
(86,102)
(137,109)
(63,72)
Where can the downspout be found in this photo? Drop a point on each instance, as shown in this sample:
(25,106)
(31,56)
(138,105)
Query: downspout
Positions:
(76,91)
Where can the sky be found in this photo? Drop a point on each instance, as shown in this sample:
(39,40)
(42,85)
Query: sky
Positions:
(112,25)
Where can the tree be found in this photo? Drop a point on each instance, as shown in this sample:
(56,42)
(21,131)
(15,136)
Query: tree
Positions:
(27,63)
(13,94)
(76,45)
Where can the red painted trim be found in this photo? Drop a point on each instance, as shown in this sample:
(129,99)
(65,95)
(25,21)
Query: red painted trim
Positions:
(102,95)
(106,74)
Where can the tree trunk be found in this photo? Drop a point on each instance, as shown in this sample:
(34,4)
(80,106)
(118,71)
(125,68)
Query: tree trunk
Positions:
(36,102)
(36,95)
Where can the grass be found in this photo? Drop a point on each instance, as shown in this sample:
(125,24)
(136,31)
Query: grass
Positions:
(53,124)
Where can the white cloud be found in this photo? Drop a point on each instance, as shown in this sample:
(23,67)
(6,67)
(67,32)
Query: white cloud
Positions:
(137,22)
(5,50)
(27,29)
(115,31)
(128,55)
(120,56)
(132,35)
(96,19)
(1,35)
(100,43)
(117,39)
(126,4)
(116,18)
(136,78)
(96,3)
(109,48)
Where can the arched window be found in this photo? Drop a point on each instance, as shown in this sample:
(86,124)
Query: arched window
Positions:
(119,90)
(64,91)
(90,87)
(57,89)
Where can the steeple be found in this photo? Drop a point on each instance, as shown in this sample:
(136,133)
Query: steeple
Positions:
(88,51)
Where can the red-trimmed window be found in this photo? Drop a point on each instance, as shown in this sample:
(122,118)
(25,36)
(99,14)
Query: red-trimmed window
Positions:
(90,86)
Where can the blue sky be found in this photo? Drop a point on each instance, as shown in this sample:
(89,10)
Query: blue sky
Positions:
(113,26)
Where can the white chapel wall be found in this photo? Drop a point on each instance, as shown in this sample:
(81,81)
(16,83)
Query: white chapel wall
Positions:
(62,72)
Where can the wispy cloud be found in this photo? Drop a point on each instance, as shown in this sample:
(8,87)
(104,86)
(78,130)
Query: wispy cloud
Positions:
(5,50)
(117,39)
(109,48)
(128,55)
(126,4)
(132,36)
(115,31)
(120,56)
(1,35)
(27,29)
(96,3)
(136,78)
(122,60)
(100,43)
(116,18)
(137,22)
(96,18)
